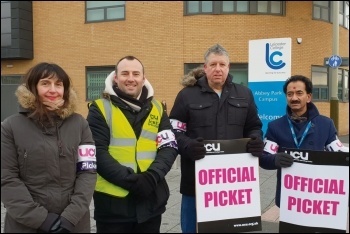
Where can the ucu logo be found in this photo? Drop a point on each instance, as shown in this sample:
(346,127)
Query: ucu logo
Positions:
(212,147)
(270,60)
(87,152)
(301,155)
(162,136)
(274,148)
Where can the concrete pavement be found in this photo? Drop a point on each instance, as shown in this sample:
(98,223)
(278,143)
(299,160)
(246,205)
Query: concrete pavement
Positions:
(171,218)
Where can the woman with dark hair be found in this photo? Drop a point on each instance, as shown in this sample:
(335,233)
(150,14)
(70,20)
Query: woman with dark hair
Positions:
(48,164)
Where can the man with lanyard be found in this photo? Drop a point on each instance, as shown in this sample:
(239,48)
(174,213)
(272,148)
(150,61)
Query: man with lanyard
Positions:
(302,127)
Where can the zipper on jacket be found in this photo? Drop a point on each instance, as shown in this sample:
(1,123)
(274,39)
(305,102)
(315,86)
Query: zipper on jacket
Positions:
(59,142)
(60,149)
(25,156)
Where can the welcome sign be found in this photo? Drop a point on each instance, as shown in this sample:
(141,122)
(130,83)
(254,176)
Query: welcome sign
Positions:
(269,67)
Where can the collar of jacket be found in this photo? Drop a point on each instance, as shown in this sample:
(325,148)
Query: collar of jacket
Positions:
(312,111)
(203,83)
(26,100)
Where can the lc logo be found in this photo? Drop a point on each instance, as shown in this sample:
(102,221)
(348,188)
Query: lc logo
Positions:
(270,61)
(301,155)
(212,147)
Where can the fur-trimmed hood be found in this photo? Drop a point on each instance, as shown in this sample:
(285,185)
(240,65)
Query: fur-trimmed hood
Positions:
(109,87)
(190,79)
(26,99)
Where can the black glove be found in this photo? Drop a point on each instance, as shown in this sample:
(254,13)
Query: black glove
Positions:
(283,160)
(255,146)
(195,149)
(49,222)
(57,228)
(144,184)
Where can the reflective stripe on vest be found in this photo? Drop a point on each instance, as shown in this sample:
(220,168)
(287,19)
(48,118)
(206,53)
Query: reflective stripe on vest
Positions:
(124,147)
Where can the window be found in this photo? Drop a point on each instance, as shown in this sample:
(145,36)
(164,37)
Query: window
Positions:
(340,84)
(200,7)
(238,71)
(11,80)
(95,81)
(343,85)
(9,102)
(234,7)
(322,11)
(269,7)
(344,13)
(99,11)
(319,78)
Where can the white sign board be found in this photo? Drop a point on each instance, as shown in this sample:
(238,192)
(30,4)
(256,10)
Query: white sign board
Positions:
(315,192)
(227,188)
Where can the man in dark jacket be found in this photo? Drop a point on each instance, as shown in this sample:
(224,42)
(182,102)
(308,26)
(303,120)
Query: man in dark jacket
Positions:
(302,127)
(210,107)
(135,149)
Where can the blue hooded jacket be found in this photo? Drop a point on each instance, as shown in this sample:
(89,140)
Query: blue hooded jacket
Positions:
(322,135)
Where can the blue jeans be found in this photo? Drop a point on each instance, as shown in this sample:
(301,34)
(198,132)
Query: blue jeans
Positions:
(188,214)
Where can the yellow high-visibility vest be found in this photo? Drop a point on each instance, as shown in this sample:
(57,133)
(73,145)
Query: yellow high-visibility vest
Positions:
(124,147)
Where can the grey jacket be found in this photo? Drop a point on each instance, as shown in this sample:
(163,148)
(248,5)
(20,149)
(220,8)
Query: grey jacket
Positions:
(38,177)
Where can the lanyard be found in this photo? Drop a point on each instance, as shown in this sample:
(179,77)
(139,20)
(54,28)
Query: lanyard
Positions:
(293,133)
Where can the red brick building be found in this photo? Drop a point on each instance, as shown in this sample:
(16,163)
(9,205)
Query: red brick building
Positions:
(87,39)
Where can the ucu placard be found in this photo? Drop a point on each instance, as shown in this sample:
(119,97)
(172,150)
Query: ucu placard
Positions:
(86,158)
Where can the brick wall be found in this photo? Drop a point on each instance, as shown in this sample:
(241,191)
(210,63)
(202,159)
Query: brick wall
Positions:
(164,39)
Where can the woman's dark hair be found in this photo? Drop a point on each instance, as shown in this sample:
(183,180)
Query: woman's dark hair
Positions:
(41,71)
(307,82)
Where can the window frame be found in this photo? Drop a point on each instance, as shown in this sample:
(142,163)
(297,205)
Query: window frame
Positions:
(105,9)
(218,5)
(342,87)
(328,8)
(12,79)
(343,10)
(320,87)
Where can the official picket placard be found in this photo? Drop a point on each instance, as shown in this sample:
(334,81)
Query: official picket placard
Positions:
(227,188)
(315,192)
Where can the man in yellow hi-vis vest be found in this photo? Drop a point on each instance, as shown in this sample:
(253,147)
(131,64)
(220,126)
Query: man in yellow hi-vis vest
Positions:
(135,149)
